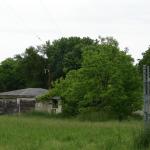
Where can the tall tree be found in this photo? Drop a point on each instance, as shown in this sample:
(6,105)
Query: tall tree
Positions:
(10,78)
(64,55)
(107,80)
(32,65)
(39,67)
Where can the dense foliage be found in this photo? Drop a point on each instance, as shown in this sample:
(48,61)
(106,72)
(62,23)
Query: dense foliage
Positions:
(144,61)
(39,67)
(64,55)
(107,80)
(10,77)
(89,75)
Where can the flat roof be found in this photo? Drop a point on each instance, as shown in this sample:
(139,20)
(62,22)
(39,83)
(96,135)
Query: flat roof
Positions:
(26,93)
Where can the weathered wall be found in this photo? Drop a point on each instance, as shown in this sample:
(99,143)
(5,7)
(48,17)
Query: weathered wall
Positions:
(10,106)
(25,104)
(48,107)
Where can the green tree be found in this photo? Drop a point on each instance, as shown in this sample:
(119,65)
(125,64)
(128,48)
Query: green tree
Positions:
(64,55)
(57,57)
(10,78)
(144,61)
(107,81)
(31,66)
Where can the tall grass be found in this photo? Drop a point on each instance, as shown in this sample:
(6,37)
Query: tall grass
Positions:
(43,133)
(96,116)
(142,141)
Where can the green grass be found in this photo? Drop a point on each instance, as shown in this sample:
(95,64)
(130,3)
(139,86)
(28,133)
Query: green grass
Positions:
(41,133)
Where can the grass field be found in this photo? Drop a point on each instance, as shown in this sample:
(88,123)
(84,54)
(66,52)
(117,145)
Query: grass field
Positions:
(38,133)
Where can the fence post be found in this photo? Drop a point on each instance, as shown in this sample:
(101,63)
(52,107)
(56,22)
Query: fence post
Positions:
(146,87)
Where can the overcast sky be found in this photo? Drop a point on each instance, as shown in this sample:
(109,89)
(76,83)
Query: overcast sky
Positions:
(31,22)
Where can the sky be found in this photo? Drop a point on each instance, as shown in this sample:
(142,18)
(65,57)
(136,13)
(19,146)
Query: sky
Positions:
(25,23)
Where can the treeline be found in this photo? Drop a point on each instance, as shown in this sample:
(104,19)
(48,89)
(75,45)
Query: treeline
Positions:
(40,66)
(88,74)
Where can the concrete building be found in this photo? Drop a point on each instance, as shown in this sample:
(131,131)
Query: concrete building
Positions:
(52,106)
(25,100)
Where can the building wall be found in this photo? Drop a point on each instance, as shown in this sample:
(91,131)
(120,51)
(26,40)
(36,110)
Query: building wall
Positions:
(59,109)
(48,107)
(10,106)
(25,104)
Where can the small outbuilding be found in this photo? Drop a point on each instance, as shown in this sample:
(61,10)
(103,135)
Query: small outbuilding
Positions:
(53,105)
(20,100)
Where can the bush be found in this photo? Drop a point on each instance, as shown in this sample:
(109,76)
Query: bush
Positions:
(107,78)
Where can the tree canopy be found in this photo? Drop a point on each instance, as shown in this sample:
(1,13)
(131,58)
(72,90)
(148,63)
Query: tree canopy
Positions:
(145,60)
(42,65)
(107,80)
(86,73)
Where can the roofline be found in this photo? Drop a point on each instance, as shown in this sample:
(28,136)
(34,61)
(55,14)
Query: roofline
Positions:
(22,94)
(17,96)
